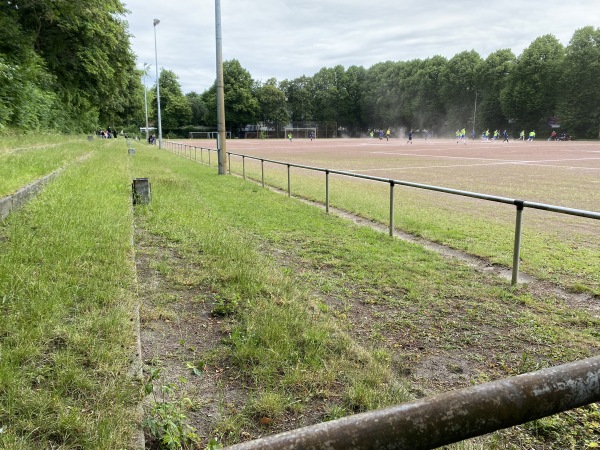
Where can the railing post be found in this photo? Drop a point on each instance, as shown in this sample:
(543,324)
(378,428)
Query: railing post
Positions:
(392,208)
(208,156)
(517,248)
(244,166)
(289,182)
(195,153)
(327,191)
(262,170)
(229,162)
(202,155)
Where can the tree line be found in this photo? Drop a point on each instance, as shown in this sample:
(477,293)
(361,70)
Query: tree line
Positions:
(68,66)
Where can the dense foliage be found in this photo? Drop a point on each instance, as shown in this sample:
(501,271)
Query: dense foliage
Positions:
(68,66)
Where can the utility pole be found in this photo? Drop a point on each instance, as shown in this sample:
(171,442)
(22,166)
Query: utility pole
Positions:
(221,141)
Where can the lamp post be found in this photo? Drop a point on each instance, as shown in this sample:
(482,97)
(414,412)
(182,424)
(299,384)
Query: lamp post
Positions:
(156,22)
(146,66)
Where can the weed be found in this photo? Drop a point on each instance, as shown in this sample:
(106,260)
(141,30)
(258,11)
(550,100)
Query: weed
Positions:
(165,421)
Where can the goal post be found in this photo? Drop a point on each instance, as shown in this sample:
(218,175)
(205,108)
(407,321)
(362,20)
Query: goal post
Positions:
(207,135)
(300,132)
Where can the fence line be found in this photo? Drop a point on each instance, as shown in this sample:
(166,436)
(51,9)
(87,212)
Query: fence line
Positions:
(520,205)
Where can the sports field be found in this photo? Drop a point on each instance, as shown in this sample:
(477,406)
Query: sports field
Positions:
(555,246)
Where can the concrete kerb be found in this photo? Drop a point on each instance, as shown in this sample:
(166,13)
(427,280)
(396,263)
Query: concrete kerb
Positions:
(23,195)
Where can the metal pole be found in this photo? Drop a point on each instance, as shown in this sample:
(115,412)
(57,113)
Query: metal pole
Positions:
(262,170)
(517,248)
(146,100)
(222,142)
(391,208)
(229,163)
(453,416)
(244,166)
(474,114)
(327,191)
(289,182)
(156,22)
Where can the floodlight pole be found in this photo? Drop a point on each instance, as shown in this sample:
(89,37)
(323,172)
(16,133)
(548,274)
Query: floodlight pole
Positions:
(221,141)
(146,99)
(156,22)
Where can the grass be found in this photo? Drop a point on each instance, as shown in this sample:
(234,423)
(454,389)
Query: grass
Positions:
(24,162)
(260,314)
(321,308)
(67,299)
(558,248)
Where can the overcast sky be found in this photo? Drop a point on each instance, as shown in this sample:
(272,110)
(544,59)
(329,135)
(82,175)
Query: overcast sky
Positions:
(286,39)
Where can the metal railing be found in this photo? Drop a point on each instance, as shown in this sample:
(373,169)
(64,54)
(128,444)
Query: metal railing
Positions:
(452,416)
(520,205)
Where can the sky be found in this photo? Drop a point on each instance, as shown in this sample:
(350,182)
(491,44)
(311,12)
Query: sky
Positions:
(285,39)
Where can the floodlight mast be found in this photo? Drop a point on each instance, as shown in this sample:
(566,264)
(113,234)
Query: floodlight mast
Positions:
(221,141)
(156,22)
(146,67)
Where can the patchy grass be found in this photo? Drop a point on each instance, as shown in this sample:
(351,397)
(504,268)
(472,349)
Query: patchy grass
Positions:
(558,248)
(306,317)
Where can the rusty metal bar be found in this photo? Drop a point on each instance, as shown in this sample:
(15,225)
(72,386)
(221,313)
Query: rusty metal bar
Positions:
(453,416)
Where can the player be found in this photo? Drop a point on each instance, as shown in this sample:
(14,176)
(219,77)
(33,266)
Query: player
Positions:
(522,135)
(388,133)
(531,136)
(409,137)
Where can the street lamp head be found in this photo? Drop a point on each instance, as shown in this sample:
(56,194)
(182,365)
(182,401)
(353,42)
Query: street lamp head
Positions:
(156,22)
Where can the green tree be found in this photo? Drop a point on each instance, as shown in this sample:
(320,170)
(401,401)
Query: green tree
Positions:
(492,76)
(458,88)
(85,48)
(241,105)
(271,100)
(579,94)
(199,109)
(530,96)
(175,108)
(299,98)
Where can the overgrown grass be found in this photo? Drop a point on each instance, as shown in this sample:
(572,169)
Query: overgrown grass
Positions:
(326,308)
(24,161)
(562,249)
(67,309)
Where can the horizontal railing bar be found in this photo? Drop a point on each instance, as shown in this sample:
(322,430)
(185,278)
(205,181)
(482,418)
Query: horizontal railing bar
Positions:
(452,416)
(476,195)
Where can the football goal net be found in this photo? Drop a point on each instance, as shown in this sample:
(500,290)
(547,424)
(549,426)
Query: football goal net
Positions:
(300,132)
(207,135)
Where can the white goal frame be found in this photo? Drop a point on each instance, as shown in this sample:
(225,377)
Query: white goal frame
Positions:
(297,132)
(207,135)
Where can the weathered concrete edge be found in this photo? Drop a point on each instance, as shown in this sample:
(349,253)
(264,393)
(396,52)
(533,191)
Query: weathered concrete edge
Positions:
(17,200)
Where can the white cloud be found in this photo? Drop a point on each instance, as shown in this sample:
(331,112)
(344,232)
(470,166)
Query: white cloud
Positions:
(287,39)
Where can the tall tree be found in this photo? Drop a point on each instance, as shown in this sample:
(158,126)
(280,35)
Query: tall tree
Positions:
(492,76)
(241,105)
(175,108)
(579,93)
(199,109)
(529,96)
(271,100)
(459,87)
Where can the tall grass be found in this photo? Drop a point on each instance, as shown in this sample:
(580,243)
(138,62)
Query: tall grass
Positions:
(24,162)
(67,295)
